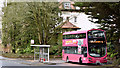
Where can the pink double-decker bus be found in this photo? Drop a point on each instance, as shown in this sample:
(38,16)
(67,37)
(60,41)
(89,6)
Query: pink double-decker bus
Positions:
(85,46)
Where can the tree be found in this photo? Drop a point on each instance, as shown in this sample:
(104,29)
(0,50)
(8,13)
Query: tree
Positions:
(108,16)
(45,17)
(105,14)
(25,21)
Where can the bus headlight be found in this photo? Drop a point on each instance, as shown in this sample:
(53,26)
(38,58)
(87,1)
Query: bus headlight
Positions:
(84,58)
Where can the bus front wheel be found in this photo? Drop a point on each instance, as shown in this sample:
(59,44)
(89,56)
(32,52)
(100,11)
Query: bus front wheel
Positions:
(80,60)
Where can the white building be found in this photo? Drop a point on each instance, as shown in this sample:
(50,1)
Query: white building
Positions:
(1,13)
(75,17)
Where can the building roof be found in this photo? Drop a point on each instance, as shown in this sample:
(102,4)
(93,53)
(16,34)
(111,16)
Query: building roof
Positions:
(68,24)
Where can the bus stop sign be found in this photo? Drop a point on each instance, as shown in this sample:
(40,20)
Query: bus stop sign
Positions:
(32,41)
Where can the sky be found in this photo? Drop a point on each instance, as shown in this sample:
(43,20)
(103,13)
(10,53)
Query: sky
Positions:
(83,22)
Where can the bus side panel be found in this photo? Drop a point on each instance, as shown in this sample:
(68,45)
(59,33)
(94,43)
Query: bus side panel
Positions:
(72,57)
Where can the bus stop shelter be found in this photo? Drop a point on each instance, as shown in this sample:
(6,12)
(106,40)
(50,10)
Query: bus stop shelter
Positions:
(43,52)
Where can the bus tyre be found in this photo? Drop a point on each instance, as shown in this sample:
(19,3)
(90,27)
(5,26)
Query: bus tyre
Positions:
(67,60)
(80,60)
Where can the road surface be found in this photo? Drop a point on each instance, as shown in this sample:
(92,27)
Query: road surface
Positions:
(8,62)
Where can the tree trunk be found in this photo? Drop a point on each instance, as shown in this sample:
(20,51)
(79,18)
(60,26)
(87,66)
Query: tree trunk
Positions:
(39,38)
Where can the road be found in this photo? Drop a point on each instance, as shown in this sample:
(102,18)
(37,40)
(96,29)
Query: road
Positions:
(8,62)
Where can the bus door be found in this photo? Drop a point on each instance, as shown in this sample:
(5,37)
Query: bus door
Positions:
(84,52)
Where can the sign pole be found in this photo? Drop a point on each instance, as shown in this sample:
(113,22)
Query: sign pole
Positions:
(34,53)
(48,54)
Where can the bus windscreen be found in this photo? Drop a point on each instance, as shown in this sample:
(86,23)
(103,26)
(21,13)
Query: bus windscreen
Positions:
(96,34)
(96,43)
(97,50)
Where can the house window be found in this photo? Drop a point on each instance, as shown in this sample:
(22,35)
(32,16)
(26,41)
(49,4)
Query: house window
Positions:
(75,19)
(68,19)
(67,5)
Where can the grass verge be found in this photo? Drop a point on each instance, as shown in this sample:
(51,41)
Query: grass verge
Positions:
(12,55)
(25,56)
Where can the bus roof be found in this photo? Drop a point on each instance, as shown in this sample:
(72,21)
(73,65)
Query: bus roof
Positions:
(77,32)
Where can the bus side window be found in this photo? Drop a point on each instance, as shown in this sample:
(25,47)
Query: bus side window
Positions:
(65,49)
(67,37)
(74,50)
(64,37)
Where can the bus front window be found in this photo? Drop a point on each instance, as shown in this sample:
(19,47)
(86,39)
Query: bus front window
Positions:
(97,50)
(96,34)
